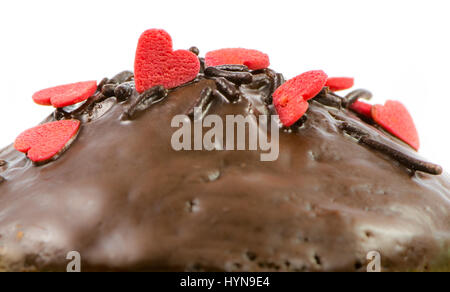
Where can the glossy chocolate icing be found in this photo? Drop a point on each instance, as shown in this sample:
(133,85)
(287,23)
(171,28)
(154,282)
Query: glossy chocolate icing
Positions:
(126,201)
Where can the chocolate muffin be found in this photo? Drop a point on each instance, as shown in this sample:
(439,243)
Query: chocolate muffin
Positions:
(121,196)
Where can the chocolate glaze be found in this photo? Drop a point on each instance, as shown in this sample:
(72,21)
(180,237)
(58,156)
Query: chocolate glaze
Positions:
(126,201)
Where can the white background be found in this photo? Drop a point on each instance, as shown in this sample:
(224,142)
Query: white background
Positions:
(397,49)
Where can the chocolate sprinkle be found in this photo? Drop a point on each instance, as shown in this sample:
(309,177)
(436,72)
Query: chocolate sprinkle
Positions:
(108,90)
(300,122)
(277,79)
(122,77)
(102,83)
(124,91)
(352,130)
(325,97)
(145,101)
(353,96)
(227,88)
(219,96)
(194,50)
(263,83)
(233,68)
(60,114)
(205,99)
(202,65)
(235,77)
(404,159)
(3,163)
(260,81)
(97,99)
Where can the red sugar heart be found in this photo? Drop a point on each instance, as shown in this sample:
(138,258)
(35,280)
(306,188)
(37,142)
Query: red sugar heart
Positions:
(253,59)
(291,111)
(340,83)
(47,141)
(65,95)
(362,108)
(290,99)
(157,64)
(395,118)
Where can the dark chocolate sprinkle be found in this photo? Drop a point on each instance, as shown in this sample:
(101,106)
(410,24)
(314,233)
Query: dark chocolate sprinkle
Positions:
(102,83)
(336,95)
(235,77)
(227,88)
(3,163)
(260,81)
(263,83)
(195,50)
(122,77)
(88,105)
(352,130)
(276,79)
(325,97)
(97,99)
(404,159)
(60,114)
(202,65)
(233,68)
(300,122)
(353,96)
(108,90)
(124,91)
(279,80)
(272,75)
(206,97)
(219,96)
(145,101)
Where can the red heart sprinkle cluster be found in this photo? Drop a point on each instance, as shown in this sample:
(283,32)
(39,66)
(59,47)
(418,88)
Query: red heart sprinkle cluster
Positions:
(157,64)
(395,118)
(291,98)
(66,95)
(362,108)
(340,83)
(47,141)
(253,59)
